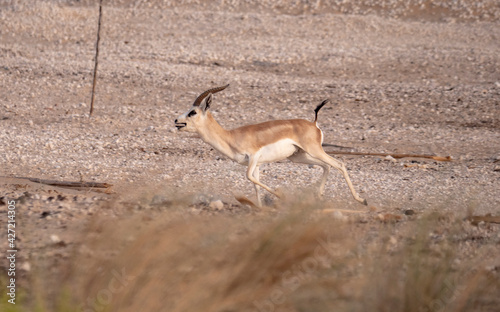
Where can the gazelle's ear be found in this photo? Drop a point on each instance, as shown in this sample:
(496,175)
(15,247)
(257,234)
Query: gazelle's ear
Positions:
(205,105)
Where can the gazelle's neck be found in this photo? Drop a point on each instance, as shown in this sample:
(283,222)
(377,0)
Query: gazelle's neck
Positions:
(213,133)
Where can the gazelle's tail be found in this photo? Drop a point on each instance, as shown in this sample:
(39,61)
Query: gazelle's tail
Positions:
(316,110)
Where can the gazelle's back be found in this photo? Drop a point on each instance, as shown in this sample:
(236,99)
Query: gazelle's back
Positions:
(269,132)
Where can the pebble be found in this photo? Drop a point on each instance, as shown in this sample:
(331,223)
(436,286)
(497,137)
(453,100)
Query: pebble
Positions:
(390,158)
(409,212)
(55,239)
(26,266)
(216,204)
(159,200)
(393,240)
(339,215)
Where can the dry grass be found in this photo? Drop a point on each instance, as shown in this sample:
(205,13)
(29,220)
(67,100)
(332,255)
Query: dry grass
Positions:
(299,260)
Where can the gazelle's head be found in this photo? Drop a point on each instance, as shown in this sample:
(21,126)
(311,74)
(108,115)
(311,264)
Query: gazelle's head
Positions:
(198,112)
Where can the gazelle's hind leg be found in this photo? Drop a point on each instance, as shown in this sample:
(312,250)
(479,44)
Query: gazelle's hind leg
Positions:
(318,153)
(304,158)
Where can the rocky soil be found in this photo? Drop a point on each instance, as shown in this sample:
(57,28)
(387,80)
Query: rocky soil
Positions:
(422,80)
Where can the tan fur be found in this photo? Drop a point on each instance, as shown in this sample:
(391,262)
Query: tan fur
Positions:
(254,137)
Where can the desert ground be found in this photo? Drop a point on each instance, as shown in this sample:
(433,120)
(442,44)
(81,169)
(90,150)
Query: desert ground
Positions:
(419,77)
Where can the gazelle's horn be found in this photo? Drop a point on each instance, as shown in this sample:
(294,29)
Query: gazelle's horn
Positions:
(200,98)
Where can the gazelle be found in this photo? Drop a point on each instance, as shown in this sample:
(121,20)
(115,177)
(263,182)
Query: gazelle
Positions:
(298,140)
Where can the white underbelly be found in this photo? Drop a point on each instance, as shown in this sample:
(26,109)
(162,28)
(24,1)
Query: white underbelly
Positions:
(279,150)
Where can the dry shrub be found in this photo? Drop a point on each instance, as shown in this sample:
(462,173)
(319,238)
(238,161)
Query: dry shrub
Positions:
(297,261)
(427,272)
(194,263)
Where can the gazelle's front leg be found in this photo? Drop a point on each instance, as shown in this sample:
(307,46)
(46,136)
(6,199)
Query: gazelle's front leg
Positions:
(252,164)
(326,171)
(256,175)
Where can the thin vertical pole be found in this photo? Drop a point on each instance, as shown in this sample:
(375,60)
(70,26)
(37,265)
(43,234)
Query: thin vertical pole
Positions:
(96,61)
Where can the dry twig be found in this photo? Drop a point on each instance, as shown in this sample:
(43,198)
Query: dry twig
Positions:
(434,157)
(67,183)
(475,220)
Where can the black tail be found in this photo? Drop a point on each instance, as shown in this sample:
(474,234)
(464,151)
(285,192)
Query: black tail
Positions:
(316,110)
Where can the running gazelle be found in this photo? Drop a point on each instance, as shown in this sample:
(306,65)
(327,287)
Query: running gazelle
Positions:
(298,140)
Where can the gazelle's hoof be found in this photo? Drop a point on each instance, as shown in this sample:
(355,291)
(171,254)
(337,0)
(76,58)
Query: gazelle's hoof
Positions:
(365,202)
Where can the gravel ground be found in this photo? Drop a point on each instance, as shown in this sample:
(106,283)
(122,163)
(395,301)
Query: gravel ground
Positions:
(423,79)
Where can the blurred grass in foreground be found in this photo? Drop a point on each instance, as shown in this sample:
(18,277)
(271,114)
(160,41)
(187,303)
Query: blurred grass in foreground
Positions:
(299,260)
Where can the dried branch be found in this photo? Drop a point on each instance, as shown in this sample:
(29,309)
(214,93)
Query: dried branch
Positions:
(434,157)
(475,220)
(66,183)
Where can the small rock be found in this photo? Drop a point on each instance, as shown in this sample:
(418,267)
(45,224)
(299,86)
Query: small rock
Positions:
(338,215)
(393,240)
(216,204)
(26,266)
(159,200)
(55,239)
(390,158)
(409,212)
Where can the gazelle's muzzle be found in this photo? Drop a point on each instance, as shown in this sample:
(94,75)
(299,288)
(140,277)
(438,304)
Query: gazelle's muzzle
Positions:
(180,125)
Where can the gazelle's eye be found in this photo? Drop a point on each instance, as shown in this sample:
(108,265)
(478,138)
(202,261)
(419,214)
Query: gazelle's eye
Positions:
(191,113)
